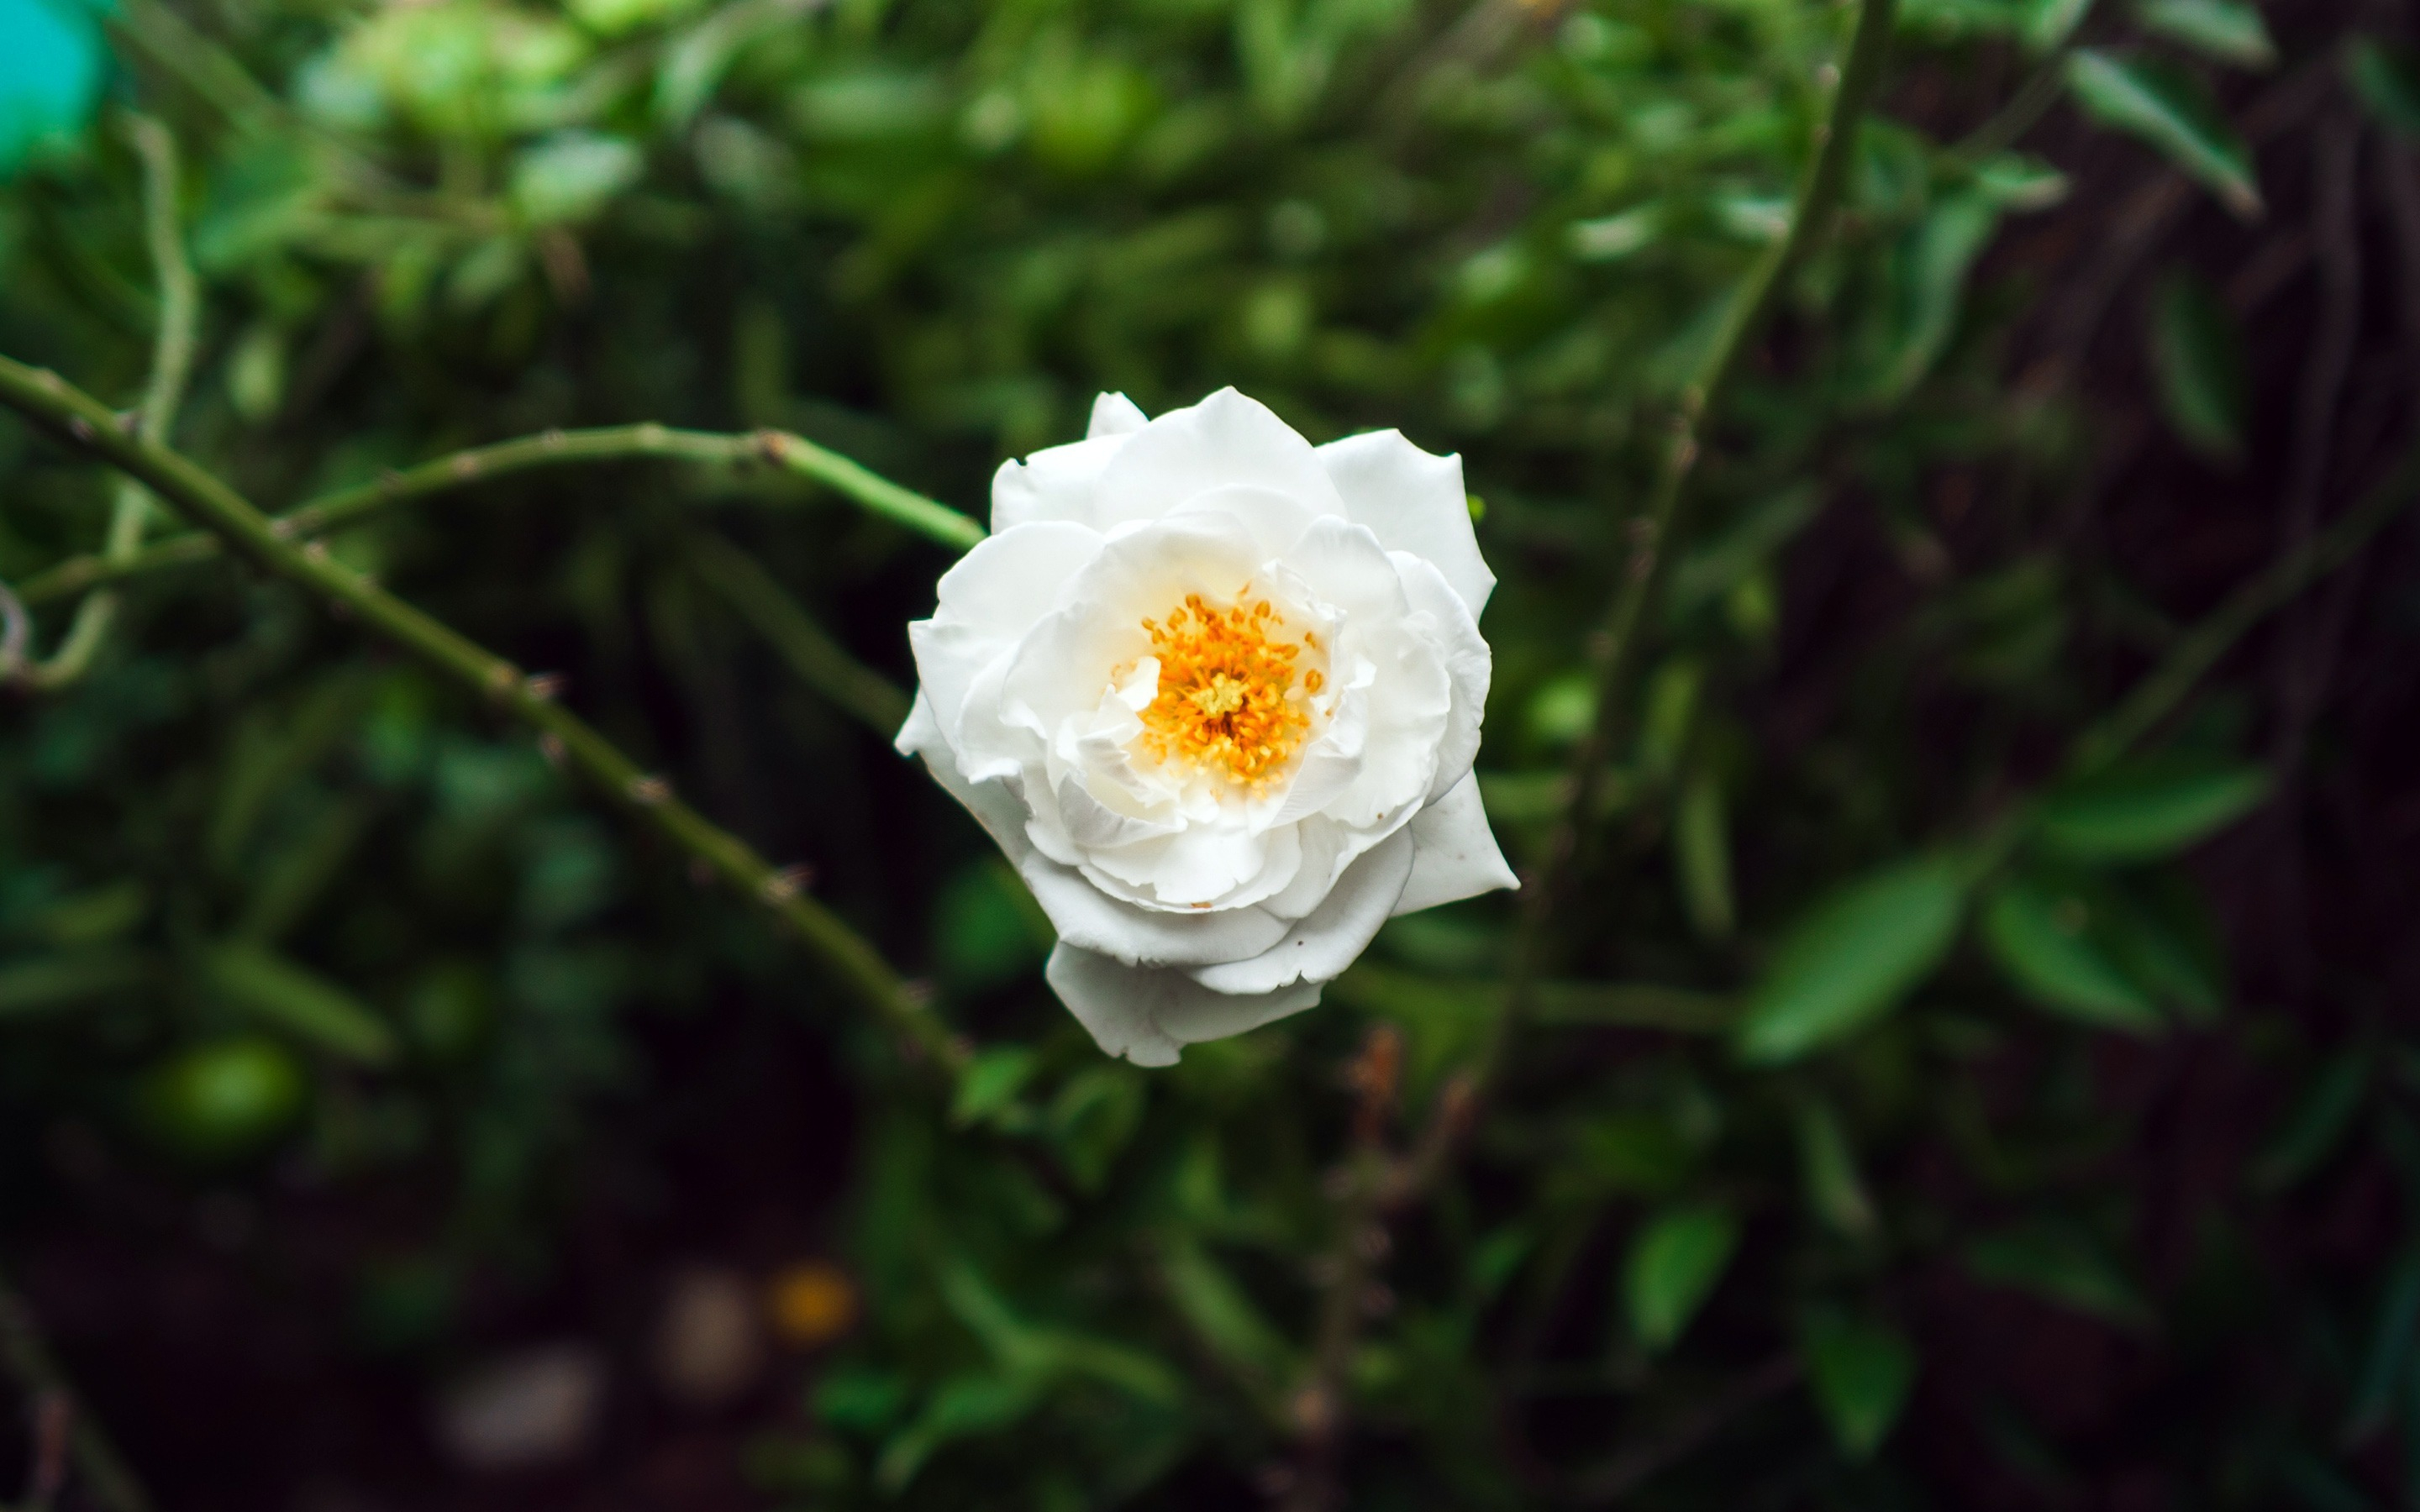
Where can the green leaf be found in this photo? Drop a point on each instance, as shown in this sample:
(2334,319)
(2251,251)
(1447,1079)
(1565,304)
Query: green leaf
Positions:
(1091,1119)
(2198,354)
(1628,1151)
(2147,809)
(2318,1122)
(1222,1315)
(2042,940)
(1669,714)
(96,915)
(1860,1373)
(987,1088)
(1712,570)
(2050,22)
(287,882)
(571,175)
(1852,958)
(1929,287)
(1829,1168)
(2169,109)
(2060,1265)
(258,980)
(2387,79)
(1563,710)
(35,986)
(964,1406)
(1673,1268)
(2226,30)
(2015,181)
(2383,1375)
(2167,946)
(1613,237)
(1701,855)
(614,17)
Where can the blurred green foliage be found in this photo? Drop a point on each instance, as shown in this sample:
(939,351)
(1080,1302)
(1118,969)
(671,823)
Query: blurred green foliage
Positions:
(269,895)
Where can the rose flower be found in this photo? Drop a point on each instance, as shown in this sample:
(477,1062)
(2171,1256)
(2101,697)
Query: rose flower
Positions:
(1216,693)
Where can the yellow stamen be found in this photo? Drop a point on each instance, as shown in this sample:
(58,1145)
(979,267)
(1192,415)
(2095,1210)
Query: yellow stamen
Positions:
(1223,704)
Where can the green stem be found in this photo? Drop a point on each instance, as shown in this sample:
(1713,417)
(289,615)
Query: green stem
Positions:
(82,421)
(1651,530)
(815,656)
(172,363)
(928,517)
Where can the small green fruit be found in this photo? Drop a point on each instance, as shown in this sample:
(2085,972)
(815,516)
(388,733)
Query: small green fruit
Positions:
(223,1100)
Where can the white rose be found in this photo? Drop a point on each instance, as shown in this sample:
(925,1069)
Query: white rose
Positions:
(1216,693)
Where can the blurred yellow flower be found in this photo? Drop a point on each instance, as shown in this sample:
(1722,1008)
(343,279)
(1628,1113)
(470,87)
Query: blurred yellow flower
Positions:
(814,1303)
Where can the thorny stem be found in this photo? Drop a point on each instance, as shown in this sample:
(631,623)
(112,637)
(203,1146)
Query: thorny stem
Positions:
(59,1424)
(934,521)
(1369,1188)
(1375,1187)
(1615,647)
(84,422)
(172,362)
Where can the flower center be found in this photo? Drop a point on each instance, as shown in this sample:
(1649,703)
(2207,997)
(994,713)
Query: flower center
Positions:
(1230,700)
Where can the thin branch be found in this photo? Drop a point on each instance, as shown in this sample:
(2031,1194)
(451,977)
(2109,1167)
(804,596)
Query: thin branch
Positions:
(1363,1188)
(2165,688)
(819,660)
(82,421)
(1632,1467)
(1373,1185)
(27,1358)
(1615,646)
(172,363)
(935,521)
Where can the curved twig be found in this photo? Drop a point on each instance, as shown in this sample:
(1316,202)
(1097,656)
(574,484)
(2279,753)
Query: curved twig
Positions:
(172,363)
(1615,644)
(1375,1186)
(23,1354)
(928,517)
(76,417)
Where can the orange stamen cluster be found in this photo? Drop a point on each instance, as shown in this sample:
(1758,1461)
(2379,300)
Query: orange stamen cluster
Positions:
(1227,701)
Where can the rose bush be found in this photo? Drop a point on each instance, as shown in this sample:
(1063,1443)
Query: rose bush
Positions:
(1216,693)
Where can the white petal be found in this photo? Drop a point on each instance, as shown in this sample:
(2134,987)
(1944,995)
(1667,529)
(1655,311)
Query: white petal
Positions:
(1275,521)
(1056,483)
(1328,847)
(1225,440)
(1392,672)
(1454,855)
(1469,665)
(920,733)
(1065,661)
(1331,935)
(1114,414)
(1011,578)
(993,805)
(1416,503)
(1087,917)
(1346,565)
(1148,1015)
(1200,867)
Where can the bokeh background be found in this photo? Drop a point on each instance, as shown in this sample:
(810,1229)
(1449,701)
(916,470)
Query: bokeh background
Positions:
(385,1124)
